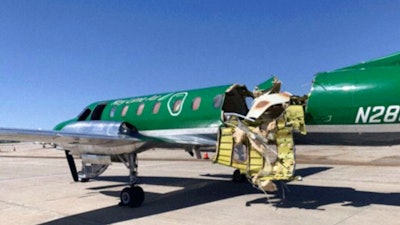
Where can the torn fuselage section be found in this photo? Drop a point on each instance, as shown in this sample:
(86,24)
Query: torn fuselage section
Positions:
(260,143)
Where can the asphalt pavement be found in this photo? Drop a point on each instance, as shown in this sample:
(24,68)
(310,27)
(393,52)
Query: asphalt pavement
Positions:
(341,185)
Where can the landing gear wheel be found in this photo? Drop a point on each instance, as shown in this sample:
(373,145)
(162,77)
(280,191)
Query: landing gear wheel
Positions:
(138,196)
(84,180)
(125,196)
(238,176)
(132,197)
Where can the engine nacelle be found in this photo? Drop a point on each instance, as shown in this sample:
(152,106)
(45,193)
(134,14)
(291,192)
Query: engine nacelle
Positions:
(93,166)
(98,127)
(96,159)
(101,138)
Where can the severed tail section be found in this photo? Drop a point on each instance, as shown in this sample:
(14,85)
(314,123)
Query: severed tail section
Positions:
(261,144)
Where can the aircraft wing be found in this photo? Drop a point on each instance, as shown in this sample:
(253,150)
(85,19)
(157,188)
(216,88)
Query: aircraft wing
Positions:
(109,137)
(61,137)
(89,142)
(91,137)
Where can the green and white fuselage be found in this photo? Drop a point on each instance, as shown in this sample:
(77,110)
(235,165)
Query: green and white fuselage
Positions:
(356,105)
(184,118)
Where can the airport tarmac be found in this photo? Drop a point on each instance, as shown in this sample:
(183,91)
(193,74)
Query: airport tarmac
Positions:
(342,185)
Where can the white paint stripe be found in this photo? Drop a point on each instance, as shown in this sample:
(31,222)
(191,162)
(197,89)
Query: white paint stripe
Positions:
(353,128)
(185,131)
(360,128)
(195,136)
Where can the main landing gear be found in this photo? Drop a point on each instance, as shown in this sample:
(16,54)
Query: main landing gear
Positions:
(238,176)
(132,196)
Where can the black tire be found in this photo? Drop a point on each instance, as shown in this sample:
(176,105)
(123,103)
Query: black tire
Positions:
(132,197)
(84,180)
(238,176)
(138,196)
(126,197)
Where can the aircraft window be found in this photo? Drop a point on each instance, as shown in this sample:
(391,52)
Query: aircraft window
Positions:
(84,114)
(177,105)
(218,101)
(140,109)
(156,107)
(196,103)
(98,111)
(112,112)
(124,111)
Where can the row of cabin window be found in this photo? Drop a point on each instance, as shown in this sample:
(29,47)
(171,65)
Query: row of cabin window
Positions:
(217,102)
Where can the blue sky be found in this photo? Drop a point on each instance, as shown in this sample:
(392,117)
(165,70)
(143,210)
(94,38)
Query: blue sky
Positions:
(58,56)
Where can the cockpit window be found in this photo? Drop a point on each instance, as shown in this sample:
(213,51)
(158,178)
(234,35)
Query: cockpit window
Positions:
(98,111)
(84,114)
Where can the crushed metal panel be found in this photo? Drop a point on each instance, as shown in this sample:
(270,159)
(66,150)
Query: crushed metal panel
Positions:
(262,147)
(272,85)
(229,155)
(265,101)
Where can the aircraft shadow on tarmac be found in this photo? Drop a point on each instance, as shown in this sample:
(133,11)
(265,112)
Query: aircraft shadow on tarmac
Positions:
(197,191)
(314,197)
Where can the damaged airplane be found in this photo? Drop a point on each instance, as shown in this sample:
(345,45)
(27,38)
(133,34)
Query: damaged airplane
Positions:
(191,120)
(344,106)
